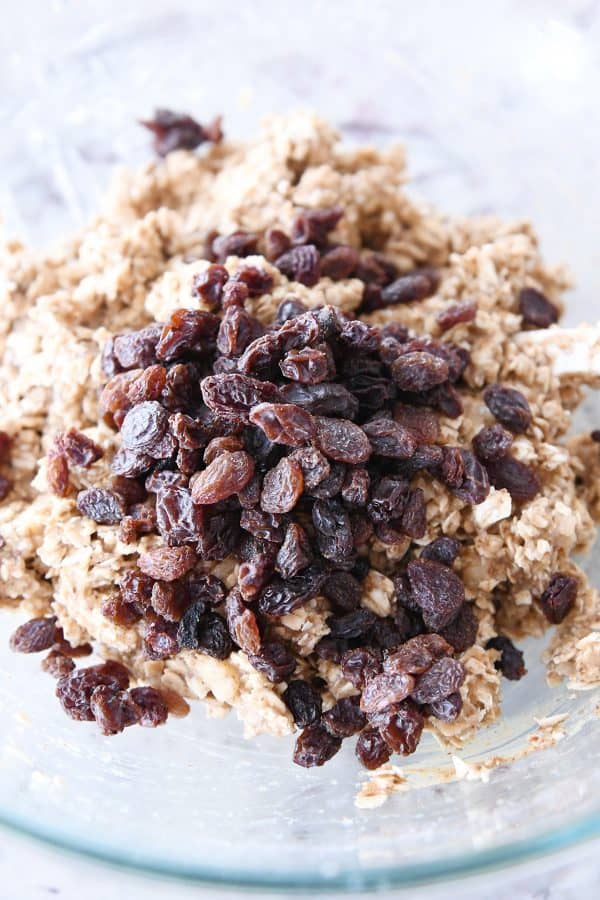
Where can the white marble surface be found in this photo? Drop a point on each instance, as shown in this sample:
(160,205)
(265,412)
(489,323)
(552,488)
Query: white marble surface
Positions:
(382,78)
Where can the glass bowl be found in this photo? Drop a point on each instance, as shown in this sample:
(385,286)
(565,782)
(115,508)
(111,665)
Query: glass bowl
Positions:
(497,107)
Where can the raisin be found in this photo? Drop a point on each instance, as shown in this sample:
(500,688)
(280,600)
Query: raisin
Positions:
(339,262)
(75,689)
(227,474)
(136,589)
(374,268)
(422,423)
(359,666)
(315,746)
(443,678)
(362,528)
(457,314)
(5,446)
(254,574)
(536,309)
(220,536)
(414,515)
(282,486)
(312,226)
(419,371)
(205,587)
(344,718)
(371,749)
(137,349)
(353,624)
(558,599)
(389,438)
(213,637)
(284,423)
(442,550)
(388,499)
(231,442)
(276,244)
(418,654)
(516,477)
(295,553)
(281,597)
(342,440)
(511,662)
(289,309)
(304,702)
(310,365)
(417,285)
(167,563)
(475,483)
(437,590)
(187,330)
(169,600)
(492,442)
(242,623)
(235,294)
(104,507)
(384,690)
(235,395)
(57,473)
(331,485)
(462,631)
(446,399)
(333,530)
(153,710)
(113,710)
(160,640)
(78,449)
(237,331)
(448,709)
(401,726)
(130,463)
(263,525)
(355,489)
(509,407)
(300,264)
(57,664)
(178,131)
(34,636)
(120,612)
(275,661)
(141,521)
(208,286)
(327,399)
(238,243)
(343,591)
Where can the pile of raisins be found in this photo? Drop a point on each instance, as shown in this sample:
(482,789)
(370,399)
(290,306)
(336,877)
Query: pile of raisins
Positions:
(291,448)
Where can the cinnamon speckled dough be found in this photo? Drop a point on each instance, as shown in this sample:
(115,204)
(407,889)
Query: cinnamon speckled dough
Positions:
(135,263)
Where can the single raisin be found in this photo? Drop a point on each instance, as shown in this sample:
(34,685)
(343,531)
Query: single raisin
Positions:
(443,678)
(360,665)
(282,486)
(511,662)
(492,442)
(57,664)
(384,690)
(167,563)
(295,553)
(153,708)
(333,530)
(519,479)
(315,745)
(343,591)
(235,394)
(442,550)
(448,709)
(274,660)
(509,407)
(208,286)
(558,599)
(536,309)
(371,749)
(113,710)
(303,701)
(327,399)
(35,635)
(284,423)
(276,244)
(419,371)
(227,474)
(342,440)
(401,726)
(418,654)
(417,285)
(437,590)
(178,131)
(345,718)
(242,623)
(457,314)
(352,624)
(462,631)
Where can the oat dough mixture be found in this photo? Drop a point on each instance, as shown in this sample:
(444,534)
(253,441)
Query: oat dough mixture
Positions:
(397,538)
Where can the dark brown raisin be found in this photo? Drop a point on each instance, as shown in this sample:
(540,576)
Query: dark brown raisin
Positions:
(136,589)
(419,371)
(231,442)
(237,331)
(345,718)
(414,515)
(443,678)
(333,530)
(160,639)
(57,664)
(388,499)
(153,709)
(238,243)
(418,654)
(401,726)
(315,467)
(119,612)
(169,600)
(103,507)
(167,563)
(417,285)
(342,440)
(208,286)
(511,662)
(281,597)
(389,438)
(374,268)
(536,309)
(371,749)
(178,131)
(339,262)
(509,407)
(310,365)
(475,483)
(137,349)
(443,550)
(227,474)
(242,623)
(258,281)
(187,330)
(263,525)
(457,314)
(289,309)
(516,477)
(437,590)
(284,423)
(75,689)
(421,422)
(315,746)
(355,490)
(352,624)
(558,599)
(343,591)
(275,660)
(492,442)
(358,337)
(303,701)
(130,463)
(113,710)
(282,486)
(327,399)
(276,243)
(235,294)
(235,395)
(462,631)
(179,521)
(78,448)
(448,709)
(295,553)
(384,690)
(360,665)
(300,264)
(34,636)
(254,574)
(312,226)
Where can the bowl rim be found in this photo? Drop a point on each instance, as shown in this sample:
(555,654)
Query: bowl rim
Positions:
(356,881)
